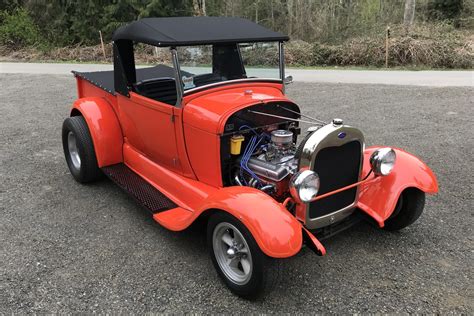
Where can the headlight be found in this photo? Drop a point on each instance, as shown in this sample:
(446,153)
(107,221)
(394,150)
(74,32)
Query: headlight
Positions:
(304,186)
(382,161)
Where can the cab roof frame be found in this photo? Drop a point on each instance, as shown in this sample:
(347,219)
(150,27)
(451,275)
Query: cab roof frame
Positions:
(190,31)
(183,31)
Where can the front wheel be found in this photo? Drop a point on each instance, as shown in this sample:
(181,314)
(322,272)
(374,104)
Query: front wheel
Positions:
(243,267)
(409,207)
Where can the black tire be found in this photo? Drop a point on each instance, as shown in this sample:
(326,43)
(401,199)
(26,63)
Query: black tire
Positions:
(87,169)
(409,207)
(266,271)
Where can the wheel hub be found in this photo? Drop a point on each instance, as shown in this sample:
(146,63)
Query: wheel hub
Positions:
(73,150)
(231,252)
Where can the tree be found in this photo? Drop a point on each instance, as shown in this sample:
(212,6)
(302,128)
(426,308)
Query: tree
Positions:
(445,10)
(199,7)
(409,15)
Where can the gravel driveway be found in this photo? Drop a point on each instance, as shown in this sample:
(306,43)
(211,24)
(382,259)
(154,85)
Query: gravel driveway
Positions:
(65,247)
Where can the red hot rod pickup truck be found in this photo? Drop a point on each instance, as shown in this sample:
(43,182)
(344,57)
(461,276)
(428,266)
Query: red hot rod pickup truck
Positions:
(213,136)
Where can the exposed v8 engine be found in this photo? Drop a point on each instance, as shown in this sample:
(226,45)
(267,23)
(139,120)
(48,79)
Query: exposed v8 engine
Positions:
(268,161)
(259,150)
(277,159)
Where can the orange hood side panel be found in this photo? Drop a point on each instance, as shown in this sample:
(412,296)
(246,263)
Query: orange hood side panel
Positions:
(209,110)
(204,116)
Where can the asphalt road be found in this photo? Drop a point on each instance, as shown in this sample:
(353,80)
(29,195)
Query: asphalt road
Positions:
(66,247)
(432,78)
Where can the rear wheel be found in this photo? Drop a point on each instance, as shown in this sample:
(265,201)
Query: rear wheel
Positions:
(409,207)
(243,267)
(79,150)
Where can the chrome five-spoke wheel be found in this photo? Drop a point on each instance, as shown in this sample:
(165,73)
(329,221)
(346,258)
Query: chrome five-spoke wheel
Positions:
(238,259)
(232,253)
(73,151)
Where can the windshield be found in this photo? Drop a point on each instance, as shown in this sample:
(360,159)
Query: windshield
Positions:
(203,65)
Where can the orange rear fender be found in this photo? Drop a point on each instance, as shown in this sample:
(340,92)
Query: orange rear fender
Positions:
(104,128)
(379,197)
(275,230)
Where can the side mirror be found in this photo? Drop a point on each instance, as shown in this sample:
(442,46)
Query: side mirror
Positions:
(288,80)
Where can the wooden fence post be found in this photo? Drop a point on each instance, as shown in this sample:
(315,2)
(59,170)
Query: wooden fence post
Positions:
(387,41)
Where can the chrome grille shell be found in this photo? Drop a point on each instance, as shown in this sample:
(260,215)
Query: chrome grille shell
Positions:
(329,136)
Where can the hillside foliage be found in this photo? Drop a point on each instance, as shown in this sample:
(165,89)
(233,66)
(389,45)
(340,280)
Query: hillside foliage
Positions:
(323,32)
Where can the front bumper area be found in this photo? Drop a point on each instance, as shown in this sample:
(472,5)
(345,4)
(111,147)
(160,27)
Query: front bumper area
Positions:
(312,238)
(313,243)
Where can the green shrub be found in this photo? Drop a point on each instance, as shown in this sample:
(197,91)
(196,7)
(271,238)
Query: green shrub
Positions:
(299,53)
(323,54)
(17,29)
(364,51)
(437,45)
(260,55)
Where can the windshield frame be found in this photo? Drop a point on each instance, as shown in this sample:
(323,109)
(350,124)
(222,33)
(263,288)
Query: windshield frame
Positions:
(180,85)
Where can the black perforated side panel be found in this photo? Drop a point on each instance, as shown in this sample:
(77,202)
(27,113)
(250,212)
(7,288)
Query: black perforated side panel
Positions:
(142,191)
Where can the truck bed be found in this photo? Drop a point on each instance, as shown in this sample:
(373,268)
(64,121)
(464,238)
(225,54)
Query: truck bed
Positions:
(105,79)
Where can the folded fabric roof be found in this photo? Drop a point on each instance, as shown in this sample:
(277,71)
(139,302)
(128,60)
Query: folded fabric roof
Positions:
(181,31)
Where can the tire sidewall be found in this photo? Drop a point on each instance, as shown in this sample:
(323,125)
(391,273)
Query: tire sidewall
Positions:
(412,204)
(80,174)
(253,287)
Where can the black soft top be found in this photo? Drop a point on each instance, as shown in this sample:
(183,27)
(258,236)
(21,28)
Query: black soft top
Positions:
(183,31)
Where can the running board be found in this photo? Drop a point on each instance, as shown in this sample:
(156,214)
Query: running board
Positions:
(142,191)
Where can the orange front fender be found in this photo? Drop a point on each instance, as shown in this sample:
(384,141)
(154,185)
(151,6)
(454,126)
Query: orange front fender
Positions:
(379,197)
(276,231)
(104,128)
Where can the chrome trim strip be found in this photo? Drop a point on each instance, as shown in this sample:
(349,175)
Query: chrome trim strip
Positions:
(230,82)
(281,55)
(177,75)
(327,136)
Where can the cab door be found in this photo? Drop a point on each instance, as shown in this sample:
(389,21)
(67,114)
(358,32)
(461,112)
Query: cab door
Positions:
(148,127)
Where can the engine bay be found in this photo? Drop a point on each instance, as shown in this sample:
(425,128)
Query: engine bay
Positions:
(259,148)
(267,161)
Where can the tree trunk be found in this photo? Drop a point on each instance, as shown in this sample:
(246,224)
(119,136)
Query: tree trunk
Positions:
(203,7)
(256,11)
(199,7)
(409,15)
(272,10)
(289,8)
(196,9)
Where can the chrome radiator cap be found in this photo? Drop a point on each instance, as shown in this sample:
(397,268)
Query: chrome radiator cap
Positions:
(337,122)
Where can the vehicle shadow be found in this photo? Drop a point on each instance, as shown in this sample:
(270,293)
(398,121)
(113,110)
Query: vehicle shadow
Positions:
(304,270)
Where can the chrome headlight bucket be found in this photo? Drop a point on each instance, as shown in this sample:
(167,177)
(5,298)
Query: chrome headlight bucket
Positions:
(304,186)
(382,161)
